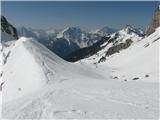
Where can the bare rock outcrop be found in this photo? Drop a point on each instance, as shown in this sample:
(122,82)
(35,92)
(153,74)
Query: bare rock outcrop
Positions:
(155,21)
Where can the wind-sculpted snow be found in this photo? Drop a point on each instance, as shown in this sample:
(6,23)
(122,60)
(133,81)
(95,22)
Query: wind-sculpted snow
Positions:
(40,85)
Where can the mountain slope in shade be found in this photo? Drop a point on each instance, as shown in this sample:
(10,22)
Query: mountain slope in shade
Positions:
(40,85)
(8,31)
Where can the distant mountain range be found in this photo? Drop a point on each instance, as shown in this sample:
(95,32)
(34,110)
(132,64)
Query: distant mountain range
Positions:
(73,43)
(65,41)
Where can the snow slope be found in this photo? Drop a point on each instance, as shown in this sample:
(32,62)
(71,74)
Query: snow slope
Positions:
(31,68)
(121,36)
(40,85)
(139,60)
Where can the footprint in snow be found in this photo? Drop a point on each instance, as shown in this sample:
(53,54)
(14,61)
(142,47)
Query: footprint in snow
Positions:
(146,76)
(136,78)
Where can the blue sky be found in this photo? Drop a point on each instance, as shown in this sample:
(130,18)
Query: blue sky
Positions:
(87,15)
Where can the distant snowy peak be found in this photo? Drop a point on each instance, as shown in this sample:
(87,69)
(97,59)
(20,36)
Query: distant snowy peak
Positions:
(71,34)
(128,32)
(70,31)
(52,32)
(78,36)
(105,31)
(131,29)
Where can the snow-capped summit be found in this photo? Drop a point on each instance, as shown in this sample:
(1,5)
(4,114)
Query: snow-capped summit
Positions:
(69,30)
(128,32)
(105,31)
(78,36)
(131,29)
(72,34)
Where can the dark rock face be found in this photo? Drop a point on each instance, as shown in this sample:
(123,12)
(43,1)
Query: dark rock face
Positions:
(62,47)
(87,51)
(155,22)
(117,48)
(102,59)
(8,28)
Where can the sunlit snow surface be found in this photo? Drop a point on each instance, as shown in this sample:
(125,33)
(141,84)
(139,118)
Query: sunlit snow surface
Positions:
(40,85)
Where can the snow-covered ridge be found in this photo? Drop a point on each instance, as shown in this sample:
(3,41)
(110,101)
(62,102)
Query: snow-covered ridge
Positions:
(24,67)
(140,59)
(32,66)
(128,32)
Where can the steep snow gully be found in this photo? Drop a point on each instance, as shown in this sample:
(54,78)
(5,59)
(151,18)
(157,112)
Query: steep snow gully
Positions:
(40,85)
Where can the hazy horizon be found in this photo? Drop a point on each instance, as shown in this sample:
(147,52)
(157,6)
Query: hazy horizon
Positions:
(86,15)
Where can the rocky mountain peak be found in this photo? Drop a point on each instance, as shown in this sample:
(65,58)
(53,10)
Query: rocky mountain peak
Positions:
(131,29)
(7,28)
(70,32)
(155,21)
